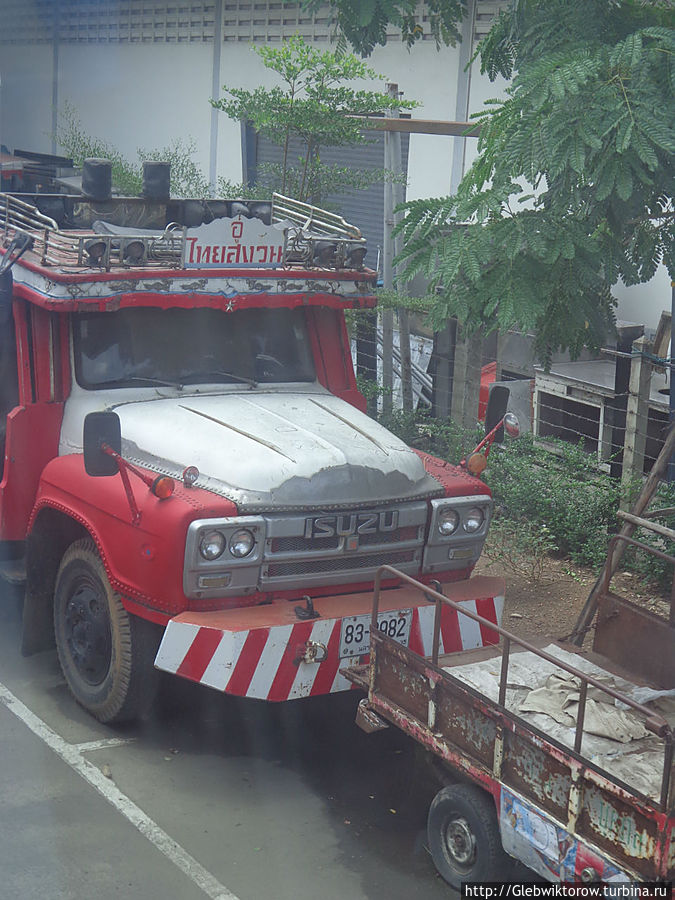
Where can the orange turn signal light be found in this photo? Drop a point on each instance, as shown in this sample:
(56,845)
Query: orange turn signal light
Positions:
(476,463)
(163,486)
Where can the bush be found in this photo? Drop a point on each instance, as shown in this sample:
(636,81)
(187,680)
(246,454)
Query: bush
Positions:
(560,496)
(563,491)
(648,566)
(187,179)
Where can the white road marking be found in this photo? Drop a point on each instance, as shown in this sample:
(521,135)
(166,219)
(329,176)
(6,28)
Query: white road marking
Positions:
(72,756)
(87,746)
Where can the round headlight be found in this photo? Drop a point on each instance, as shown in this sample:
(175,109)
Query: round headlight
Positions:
(241,543)
(448,520)
(474,520)
(211,544)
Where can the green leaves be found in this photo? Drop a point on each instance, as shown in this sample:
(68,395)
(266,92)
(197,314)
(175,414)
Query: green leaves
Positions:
(314,105)
(364,23)
(573,187)
(187,179)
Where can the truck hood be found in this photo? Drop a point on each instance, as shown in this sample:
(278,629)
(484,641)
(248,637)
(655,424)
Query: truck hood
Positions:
(275,450)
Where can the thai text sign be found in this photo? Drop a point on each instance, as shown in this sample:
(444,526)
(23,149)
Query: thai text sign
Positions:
(234,243)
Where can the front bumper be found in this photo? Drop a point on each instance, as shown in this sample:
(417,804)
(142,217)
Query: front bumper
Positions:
(265,652)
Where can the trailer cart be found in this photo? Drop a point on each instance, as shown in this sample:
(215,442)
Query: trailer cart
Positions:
(557,756)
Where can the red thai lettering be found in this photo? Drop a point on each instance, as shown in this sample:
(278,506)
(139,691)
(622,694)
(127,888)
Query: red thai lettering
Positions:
(192,241)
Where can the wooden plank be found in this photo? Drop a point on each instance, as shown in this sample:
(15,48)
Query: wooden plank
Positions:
(419,126)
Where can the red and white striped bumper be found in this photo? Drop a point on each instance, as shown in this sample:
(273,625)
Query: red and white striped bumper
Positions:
(260,651)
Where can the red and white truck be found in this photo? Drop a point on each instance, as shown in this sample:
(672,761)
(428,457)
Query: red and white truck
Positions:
(190,482)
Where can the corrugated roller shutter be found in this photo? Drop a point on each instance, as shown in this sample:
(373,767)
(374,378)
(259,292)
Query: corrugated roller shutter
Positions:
(363,208)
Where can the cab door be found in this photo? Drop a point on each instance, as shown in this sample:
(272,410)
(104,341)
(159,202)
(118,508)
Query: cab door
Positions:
(9,379)
(33,355)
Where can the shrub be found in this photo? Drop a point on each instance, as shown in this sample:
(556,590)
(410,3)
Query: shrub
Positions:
(559,501)
(563,491)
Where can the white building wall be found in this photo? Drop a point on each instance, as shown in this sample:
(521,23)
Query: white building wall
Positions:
(429,77)
(146,94)
(26,97)
(140,96)
(644,303)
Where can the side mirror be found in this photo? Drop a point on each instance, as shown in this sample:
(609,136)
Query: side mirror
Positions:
(101,428)
(512,425)
(496,410)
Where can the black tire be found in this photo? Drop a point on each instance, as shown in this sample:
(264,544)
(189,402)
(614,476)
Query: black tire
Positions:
(463,836)
(106,655)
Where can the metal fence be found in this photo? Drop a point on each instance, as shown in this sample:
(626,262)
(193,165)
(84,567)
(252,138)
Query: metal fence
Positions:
(614,405)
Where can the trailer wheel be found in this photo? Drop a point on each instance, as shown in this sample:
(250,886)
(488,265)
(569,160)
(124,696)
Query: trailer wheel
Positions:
(463,836)
(106,655)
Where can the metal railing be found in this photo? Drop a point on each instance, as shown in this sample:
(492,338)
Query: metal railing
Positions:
(315,239)
(319,222)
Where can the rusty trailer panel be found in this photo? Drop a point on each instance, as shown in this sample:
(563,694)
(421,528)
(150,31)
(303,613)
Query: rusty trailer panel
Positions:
(536,774)
(487,743)
(624,631)
(491,747)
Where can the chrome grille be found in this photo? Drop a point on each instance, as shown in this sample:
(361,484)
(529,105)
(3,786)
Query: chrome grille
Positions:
(316,545)
(340,564)
(291,558)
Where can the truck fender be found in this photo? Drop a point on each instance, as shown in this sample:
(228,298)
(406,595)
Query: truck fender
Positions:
(52,533)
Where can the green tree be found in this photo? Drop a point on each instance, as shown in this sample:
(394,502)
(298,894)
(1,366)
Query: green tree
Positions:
(573,186)
(187,179)
(363,23)
(313,106)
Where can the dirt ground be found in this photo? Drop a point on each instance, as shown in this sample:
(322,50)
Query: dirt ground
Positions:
(547,604)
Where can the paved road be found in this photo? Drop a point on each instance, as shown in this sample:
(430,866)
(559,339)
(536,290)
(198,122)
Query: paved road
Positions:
(209,797)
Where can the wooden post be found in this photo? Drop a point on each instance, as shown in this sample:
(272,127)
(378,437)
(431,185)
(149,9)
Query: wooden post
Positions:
(466,380)
(388,271)
(442,366)
(615,407)
(366,352)
(459,378)
(398,193)
(473,373)
(637,410)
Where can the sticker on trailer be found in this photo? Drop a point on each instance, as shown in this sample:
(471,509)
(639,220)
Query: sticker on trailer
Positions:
(546,847)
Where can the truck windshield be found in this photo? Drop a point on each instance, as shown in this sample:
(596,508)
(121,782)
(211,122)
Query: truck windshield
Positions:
(180,347)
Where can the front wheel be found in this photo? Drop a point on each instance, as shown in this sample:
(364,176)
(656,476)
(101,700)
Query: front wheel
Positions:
(106,655)
(463,835)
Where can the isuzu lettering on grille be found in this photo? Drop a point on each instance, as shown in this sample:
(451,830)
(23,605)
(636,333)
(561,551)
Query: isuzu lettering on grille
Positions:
(347,524)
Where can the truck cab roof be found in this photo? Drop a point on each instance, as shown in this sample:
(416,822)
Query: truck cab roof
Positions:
(128,251)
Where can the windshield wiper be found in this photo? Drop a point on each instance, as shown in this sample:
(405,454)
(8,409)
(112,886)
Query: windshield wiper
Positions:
(243,378)
(160,382)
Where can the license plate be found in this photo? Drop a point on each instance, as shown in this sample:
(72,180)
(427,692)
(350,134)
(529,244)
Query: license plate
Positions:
(355,631)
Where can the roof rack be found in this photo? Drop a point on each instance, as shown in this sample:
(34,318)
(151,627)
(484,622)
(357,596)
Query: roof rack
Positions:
(313,238)
(312,218)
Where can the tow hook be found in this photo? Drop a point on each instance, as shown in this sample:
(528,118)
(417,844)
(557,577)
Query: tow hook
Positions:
(311,652)
(307,611)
